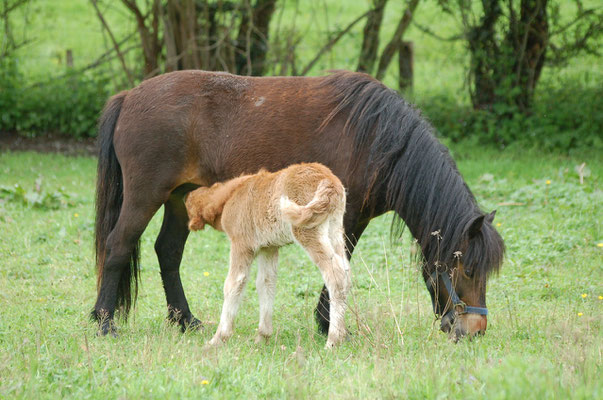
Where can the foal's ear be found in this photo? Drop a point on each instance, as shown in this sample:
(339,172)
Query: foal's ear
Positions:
(196,224)
(490,217)
(475,226)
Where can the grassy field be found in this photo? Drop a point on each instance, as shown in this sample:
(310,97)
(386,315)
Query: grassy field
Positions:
(543,339)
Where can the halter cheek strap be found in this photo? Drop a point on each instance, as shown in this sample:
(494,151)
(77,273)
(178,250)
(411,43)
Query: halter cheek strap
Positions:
(457,303)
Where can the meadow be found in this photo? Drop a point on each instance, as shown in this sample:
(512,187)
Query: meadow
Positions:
(544,331)
(546,305)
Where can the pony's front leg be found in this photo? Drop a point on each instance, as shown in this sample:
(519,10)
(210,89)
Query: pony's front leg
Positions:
(169,247)
(266,287)
(238,273)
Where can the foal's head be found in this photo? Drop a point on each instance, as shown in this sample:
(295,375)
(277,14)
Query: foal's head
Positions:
(206,204)
(197,207)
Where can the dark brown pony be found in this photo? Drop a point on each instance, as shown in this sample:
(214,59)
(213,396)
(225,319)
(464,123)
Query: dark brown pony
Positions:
(182,130)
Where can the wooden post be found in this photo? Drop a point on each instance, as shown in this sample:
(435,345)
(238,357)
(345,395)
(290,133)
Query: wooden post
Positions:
(406,61)
(69,58)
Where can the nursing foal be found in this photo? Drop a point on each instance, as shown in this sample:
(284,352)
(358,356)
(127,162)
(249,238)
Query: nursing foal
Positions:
(303,203)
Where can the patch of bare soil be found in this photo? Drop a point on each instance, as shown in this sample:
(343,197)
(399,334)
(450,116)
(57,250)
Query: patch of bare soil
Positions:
(48,144)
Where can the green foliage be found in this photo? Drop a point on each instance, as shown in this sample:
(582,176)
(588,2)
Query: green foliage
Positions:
(69,105)
(565,116)
(36,198)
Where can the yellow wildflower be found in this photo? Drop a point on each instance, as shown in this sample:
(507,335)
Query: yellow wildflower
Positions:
(206,273)
(600,297)
(600,244)
(584,295)
(548,182)
(498,224)
(580,314)
(76,215)
(205,382)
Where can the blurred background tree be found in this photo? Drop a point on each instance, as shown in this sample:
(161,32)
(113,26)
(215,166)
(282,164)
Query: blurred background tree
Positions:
(510,41)
(476,66)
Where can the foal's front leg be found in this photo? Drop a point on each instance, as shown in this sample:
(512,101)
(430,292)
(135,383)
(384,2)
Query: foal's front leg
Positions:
(266,287)
(238,273)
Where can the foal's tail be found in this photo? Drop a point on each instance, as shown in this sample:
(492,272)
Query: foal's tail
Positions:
(328,197)
(109,196)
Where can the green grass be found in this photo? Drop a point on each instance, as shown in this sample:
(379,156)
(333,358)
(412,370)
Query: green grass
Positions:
(537,346)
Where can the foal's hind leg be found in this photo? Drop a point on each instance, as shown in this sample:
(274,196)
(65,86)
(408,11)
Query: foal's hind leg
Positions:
(353,231)
(335,272)
(169,247)
(266,287)
(238,273)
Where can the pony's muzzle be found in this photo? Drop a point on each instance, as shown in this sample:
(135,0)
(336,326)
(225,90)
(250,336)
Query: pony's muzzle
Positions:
(458,326)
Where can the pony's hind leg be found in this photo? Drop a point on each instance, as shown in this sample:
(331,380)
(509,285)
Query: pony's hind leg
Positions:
(119,268)
(336,274)
(266,287)
(238,273)
(169,247)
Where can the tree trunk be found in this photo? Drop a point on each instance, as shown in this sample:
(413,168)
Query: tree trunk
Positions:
(370,40)
(506,71)
(252,41)
(531,50)
(405,65)
(149,35)
(485,57)
(395,42)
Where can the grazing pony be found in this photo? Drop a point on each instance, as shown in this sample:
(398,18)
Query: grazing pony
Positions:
(181,130)
(303,203)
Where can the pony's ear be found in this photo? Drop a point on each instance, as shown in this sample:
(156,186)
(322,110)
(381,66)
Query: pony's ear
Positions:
(490,217)
(475,226)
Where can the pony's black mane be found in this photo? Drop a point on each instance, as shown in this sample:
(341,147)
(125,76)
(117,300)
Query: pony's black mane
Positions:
(414,173)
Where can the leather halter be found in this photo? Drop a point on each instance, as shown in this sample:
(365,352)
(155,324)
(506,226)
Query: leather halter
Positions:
(457,304)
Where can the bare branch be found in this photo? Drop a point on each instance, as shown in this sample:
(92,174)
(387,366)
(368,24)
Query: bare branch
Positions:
(396,41)
(331,43)
(115,44)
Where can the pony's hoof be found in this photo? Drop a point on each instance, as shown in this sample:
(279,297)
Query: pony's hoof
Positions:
(105,330)
(193,324)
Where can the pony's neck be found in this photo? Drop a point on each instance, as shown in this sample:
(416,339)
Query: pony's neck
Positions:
(431,196)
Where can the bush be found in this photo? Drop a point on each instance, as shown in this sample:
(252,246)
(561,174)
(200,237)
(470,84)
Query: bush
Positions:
(565,116)
(68,105)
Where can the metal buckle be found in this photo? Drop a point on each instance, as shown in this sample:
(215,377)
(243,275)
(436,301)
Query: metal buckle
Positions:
(462,306)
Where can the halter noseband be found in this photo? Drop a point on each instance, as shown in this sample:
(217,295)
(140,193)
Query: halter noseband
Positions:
(458,305)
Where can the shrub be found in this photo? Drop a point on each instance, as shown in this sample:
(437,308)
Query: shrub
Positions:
(565,116)
(68,105)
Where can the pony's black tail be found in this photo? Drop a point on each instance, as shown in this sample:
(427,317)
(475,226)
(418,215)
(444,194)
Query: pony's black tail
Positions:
(109,197)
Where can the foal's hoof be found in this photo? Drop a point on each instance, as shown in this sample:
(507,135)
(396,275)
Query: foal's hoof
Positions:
(261,339)
(214,343)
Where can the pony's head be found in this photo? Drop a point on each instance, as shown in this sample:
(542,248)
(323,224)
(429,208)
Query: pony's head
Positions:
(458,286)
